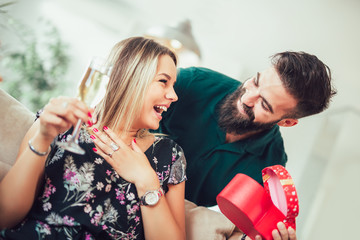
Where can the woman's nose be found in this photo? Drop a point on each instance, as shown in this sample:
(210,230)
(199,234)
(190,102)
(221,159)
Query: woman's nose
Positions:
(171,94)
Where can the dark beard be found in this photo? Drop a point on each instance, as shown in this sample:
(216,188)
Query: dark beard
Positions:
(232,121)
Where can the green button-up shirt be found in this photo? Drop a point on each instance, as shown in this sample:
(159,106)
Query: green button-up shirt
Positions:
(192,123)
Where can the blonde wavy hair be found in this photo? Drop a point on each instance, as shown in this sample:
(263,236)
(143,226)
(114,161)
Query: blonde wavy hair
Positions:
(134,63)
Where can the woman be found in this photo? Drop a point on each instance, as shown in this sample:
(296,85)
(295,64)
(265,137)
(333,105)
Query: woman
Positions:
(128,185)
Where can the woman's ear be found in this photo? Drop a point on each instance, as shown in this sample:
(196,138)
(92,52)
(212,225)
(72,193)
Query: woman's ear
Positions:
(288,122)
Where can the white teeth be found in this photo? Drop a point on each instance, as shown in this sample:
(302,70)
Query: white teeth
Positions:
(162,108)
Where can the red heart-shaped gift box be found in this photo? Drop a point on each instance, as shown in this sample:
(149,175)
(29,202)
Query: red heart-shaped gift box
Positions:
(256,210)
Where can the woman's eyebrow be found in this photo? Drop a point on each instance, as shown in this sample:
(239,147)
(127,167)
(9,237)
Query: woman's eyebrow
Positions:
(166,75)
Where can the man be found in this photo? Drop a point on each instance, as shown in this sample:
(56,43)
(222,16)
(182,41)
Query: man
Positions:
(226,127)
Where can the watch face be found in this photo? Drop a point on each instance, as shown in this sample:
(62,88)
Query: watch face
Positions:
(151,198)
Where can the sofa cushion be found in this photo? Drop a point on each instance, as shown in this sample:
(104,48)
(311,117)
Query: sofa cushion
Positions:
(15,120)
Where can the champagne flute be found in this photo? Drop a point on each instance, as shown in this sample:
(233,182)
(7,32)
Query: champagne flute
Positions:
(91,90)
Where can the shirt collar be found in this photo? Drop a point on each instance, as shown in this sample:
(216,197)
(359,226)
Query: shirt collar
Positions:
(255,144)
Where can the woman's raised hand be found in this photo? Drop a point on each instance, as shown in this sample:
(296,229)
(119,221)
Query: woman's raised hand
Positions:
(60,114)
(128,161)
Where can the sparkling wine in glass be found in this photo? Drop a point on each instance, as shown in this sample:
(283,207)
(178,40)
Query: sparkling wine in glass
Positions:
(91,91)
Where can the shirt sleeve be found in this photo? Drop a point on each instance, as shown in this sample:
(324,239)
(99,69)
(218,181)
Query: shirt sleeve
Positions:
(178,168)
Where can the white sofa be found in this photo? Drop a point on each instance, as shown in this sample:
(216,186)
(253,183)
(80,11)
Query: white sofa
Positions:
(15,120)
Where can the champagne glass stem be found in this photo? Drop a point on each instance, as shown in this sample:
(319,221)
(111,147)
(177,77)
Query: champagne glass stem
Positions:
(76,132)
(72,144)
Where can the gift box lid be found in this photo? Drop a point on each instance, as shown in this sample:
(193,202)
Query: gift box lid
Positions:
(281,188)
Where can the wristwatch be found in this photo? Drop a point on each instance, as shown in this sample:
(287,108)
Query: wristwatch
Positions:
(151,198)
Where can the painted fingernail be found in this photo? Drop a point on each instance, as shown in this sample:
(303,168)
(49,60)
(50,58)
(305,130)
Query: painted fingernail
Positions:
(92,137)
(95,130)
(134,140)
(94,149)
(89,123)
(105,128)
(89,114)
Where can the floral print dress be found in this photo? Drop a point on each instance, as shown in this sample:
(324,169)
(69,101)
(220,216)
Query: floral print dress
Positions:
(84,198)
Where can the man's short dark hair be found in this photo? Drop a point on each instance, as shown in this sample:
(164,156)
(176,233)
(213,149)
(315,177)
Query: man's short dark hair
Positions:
(307,79)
